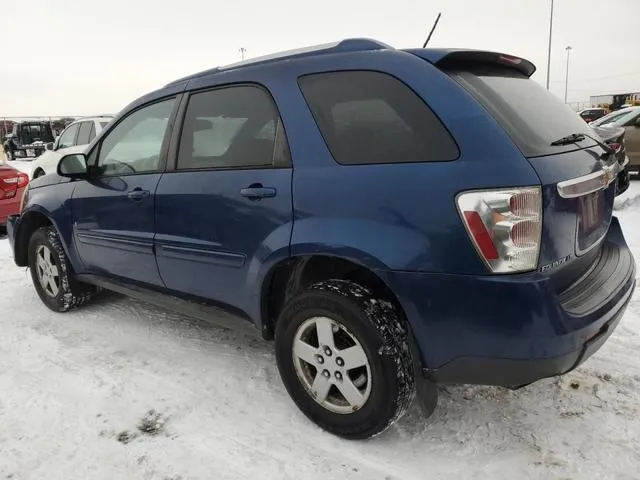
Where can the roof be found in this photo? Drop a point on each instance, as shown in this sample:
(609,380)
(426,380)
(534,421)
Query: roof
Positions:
(432,55)
(348,45)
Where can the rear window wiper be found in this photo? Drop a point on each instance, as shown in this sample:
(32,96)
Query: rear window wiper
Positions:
(573,138)
(578,137)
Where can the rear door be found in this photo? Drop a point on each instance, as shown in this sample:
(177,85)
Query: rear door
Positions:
(113,211)
(229,198)
(632,138)
(576,175)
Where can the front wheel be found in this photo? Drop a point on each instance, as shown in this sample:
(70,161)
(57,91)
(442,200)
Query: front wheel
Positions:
(344,357)
(52,274)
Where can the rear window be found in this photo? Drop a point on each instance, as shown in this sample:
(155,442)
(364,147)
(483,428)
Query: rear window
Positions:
(532,116)
(370,117)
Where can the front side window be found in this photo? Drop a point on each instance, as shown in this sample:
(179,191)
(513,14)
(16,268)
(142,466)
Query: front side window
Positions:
(68,137)
(134,145)
(370,117)
(232,127)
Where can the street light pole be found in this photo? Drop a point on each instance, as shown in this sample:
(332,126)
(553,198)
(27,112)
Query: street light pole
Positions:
(549,52)
(242,50)
(566,82)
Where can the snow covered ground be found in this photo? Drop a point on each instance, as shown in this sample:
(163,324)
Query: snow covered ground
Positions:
(75,387)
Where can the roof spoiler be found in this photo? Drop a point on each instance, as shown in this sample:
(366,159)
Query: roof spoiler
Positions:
(460,59)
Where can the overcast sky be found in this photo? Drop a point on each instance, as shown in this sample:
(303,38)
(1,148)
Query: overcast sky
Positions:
(73,57)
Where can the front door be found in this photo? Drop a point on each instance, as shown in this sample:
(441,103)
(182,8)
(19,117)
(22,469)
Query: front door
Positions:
(227,205)
(113,211)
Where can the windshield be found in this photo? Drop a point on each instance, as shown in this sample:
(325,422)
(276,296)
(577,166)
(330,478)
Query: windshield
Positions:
(609,118)
(531,115)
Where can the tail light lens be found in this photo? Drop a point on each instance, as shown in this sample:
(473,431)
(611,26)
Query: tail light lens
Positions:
(505,226)
(10,185)
(616,147)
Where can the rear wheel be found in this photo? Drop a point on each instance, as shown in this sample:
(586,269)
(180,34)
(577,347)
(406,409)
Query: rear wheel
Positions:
(38,173)
(52,274)
(344,358)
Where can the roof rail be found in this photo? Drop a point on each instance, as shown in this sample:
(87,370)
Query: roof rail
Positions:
(347,45)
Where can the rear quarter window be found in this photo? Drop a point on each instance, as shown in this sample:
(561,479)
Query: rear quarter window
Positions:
(371,117)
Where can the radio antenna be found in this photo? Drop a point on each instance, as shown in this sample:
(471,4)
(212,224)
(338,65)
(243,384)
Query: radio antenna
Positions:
(435,24)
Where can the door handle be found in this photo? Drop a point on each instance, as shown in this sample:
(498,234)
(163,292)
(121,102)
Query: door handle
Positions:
(138,194)
(256,191)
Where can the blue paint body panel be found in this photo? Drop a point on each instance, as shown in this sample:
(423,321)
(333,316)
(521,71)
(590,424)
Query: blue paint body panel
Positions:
(196,235)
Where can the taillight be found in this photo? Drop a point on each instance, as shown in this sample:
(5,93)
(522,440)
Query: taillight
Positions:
(505,226)
(23,180)
(12,184)
(615,147)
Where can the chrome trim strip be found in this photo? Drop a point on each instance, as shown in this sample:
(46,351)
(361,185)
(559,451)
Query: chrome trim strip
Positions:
(571,188)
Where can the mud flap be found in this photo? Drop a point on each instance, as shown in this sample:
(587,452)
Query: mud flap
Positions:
(426,390)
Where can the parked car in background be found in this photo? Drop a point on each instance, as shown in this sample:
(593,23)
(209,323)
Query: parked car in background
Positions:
(591,114)
(73,139)
(630,122)
(393,218)
(27,140)
(614,138)
(12,185)
(610,117)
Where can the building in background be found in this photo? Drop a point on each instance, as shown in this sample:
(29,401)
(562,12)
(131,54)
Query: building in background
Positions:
(615,101)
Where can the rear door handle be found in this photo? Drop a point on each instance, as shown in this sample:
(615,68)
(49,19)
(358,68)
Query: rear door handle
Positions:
(256,191)
(138,194)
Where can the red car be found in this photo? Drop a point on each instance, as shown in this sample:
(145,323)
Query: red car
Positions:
(12,185)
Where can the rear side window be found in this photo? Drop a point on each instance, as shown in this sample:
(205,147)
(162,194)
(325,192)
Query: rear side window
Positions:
(370,117)
(532,116)
(231,127)
(92,133)
(84,133)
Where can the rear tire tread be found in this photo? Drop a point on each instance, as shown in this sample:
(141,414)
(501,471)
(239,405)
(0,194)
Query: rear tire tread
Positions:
(351,303)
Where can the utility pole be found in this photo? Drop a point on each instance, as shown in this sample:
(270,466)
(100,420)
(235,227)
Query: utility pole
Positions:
(566,82)
(242,51)
(549,53)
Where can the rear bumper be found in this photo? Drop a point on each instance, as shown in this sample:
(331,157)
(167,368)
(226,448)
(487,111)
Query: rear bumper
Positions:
(29,152)
(512,330)
(519,372)
(9,207)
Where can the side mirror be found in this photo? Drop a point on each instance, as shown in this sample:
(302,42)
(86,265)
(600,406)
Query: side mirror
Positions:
(73,165)
(49,146)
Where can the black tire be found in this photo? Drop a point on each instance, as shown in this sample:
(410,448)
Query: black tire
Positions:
(70,292)
(38,173)
(376,325)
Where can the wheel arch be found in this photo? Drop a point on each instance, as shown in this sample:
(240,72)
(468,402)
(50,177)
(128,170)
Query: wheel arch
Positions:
(38,172)
(30,221)
(289,276)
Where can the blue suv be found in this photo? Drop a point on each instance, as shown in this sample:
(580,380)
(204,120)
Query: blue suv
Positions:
(393,218)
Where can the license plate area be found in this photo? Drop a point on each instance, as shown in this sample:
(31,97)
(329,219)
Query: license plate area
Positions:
(594,214)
